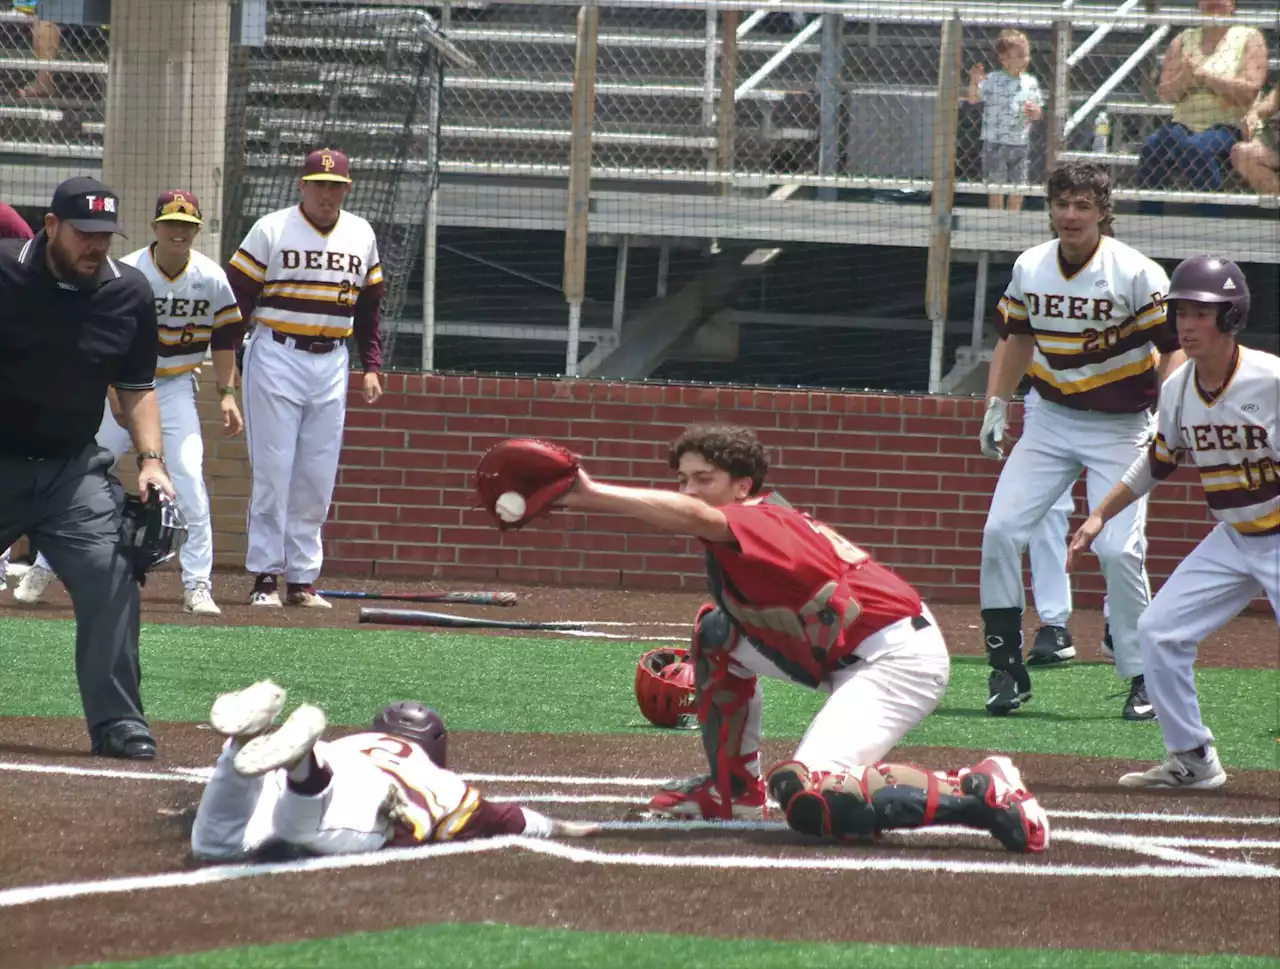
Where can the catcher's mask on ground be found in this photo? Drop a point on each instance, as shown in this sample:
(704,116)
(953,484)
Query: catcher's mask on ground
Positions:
(153,530)
(665,688)
(418,723)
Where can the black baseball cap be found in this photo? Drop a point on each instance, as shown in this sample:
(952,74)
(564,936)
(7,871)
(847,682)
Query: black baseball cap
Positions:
(88,205)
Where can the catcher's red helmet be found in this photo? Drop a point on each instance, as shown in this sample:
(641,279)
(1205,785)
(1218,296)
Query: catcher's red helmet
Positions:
(665,688)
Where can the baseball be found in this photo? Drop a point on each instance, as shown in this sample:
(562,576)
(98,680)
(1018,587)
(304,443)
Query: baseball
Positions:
(510,506)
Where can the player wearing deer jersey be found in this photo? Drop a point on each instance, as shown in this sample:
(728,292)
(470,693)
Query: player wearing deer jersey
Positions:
(798,602)
(1223,408)
(196,311)
(308,277)
(384,786)
(1086,313)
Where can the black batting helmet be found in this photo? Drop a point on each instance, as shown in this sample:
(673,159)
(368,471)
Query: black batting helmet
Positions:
(153,531)
(416,722)
(1208,279)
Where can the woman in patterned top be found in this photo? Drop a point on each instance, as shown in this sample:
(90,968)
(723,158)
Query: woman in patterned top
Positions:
(1211,76)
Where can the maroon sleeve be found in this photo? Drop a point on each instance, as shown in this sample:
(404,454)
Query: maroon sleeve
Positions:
(368,327)
(12,225)
(489,820)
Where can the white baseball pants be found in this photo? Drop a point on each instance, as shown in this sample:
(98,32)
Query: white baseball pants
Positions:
(184,459)
(239,816)
(1046,460)
(872,704)
(295,405)
(1047,548)
(1209,588)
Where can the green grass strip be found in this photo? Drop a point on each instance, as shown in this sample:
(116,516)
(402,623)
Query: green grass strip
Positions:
(585,686)
(465,946)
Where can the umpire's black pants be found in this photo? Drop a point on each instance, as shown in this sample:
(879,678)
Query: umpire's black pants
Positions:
(72,507)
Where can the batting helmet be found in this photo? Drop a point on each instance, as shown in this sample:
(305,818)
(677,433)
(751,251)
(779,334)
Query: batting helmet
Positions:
(1208,279)
(416,722)
(665,687)
(153,530)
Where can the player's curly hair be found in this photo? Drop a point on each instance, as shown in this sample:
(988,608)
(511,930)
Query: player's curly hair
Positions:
(1088,178)
(727,446)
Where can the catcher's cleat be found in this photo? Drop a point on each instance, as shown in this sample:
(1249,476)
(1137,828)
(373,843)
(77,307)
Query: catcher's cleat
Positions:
(698,797)
(247,712)
(1013,815)
(284,748)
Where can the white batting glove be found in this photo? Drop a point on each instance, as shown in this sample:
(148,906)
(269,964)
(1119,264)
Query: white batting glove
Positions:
(993,425)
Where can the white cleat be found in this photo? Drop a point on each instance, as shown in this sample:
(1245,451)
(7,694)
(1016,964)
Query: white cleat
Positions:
(31,589)
(198,601)
(14,571)
(284,748)
(1187,771)
(307,597)
(247,712)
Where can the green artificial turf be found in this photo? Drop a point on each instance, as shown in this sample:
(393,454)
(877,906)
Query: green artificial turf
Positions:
(585,686)
(465,946)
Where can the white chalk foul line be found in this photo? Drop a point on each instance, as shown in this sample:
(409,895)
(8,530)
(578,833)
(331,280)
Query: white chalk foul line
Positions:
(180,774)
(224,873)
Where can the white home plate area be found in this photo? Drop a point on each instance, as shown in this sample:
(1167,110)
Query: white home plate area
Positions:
(1085,843)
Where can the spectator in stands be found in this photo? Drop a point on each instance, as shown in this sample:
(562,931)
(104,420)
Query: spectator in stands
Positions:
(1258,159)
(46,38)
(1211,76)
(1011,100)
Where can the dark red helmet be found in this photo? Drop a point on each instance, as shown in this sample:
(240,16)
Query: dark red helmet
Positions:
(416,722)
(1208,279)
(666,689)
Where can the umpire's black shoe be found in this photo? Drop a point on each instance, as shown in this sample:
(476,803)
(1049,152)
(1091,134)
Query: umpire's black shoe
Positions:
(1009,689)
(1053,645)
(127,739)
(1138,707)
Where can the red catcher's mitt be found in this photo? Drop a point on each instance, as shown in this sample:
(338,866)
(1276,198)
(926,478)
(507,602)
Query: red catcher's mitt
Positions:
(539,471)
(665,688)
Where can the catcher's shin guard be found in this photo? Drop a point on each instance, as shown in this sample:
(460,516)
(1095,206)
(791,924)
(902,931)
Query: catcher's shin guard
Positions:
(855,805)
(727,705)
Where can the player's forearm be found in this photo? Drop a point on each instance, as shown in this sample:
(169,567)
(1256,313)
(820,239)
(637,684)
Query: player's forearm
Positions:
(1133,484)
(1169,362)
(247,291)
(668,510)
(141,412)
(224,368)
(367,326)
(1009,363)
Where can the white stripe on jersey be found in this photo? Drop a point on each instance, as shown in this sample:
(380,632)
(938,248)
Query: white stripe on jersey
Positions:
(189,307)
(1111,309)
(1234,440)
(311,279)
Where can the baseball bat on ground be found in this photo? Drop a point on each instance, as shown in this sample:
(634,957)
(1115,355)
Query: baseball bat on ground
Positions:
(419,617)
(468,598)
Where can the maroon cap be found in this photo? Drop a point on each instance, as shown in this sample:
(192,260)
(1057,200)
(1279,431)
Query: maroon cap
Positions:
(326,165)
(178,206)
(12,225)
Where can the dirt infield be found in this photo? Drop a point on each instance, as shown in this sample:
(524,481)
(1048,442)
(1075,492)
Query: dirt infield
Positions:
(1248,642)
(1113,878)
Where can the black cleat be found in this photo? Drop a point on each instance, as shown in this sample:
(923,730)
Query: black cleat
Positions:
(1138,707)
(1052,646)
(128,740)
(1009,689)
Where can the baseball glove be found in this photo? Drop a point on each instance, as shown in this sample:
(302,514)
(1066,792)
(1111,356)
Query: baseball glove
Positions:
(538,471)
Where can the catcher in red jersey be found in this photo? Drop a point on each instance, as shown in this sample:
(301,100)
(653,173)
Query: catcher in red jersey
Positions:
(796,601)
(385,786)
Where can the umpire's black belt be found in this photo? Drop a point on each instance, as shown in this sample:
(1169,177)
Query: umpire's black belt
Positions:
(307,344)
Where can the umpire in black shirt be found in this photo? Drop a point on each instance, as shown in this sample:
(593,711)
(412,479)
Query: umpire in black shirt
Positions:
(73,321)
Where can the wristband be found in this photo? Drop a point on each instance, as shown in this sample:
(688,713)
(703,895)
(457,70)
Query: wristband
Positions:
(226,391)
(145,456)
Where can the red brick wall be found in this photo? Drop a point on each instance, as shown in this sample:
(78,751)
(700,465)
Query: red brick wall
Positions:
(901,476)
